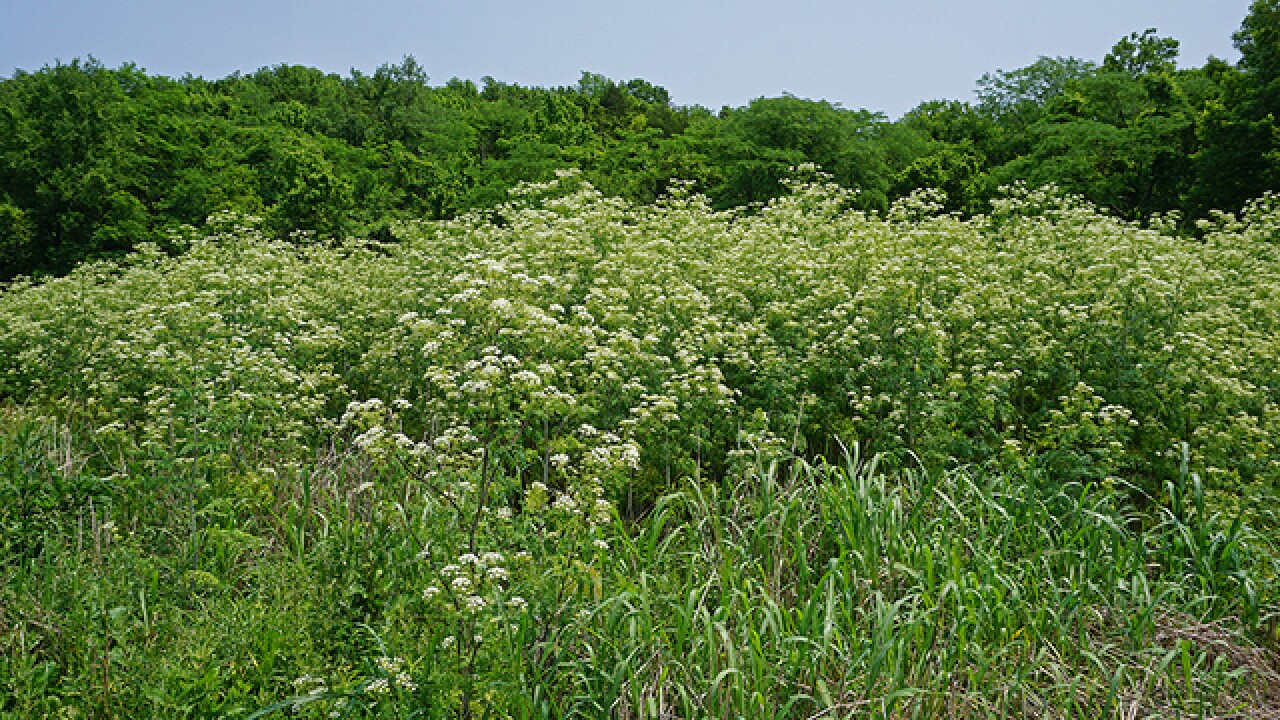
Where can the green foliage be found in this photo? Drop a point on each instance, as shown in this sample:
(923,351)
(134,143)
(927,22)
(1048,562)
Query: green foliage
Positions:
(1016,98)
(42,486)
(1142,54)
(1258,40)
(1239,159)
(17,237)
(95,161)
(753,149)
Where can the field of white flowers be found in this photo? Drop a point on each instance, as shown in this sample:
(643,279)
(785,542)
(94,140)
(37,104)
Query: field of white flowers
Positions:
(573,457)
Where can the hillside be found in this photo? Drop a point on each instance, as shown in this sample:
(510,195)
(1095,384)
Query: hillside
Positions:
(362,397)
(579,457)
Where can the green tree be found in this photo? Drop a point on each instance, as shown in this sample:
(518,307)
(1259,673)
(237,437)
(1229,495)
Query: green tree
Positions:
(76,157)
(753,149)
(300,187)
(1017,98)
(1239,157)
(956,141)
(1119,134)
(1142,53)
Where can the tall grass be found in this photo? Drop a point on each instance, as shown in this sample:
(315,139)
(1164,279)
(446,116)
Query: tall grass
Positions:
(790,590)
(850,592)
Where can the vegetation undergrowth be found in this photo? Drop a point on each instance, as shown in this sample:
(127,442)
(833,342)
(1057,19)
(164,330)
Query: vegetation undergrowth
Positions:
(579,458)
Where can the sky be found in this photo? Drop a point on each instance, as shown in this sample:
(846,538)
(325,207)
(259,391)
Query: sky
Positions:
(885,55)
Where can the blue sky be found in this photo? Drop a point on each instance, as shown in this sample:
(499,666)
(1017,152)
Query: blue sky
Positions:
(886,56)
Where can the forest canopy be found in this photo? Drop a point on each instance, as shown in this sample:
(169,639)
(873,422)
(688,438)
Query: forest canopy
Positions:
(95,160)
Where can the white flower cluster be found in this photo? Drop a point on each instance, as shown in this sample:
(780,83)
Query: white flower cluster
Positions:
(395,675)
(472,581)
(627,345)
(309,685)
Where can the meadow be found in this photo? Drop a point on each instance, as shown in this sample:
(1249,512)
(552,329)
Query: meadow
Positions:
(579,457)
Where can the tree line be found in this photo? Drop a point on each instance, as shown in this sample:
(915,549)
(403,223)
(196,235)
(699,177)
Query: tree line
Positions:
(94,160)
